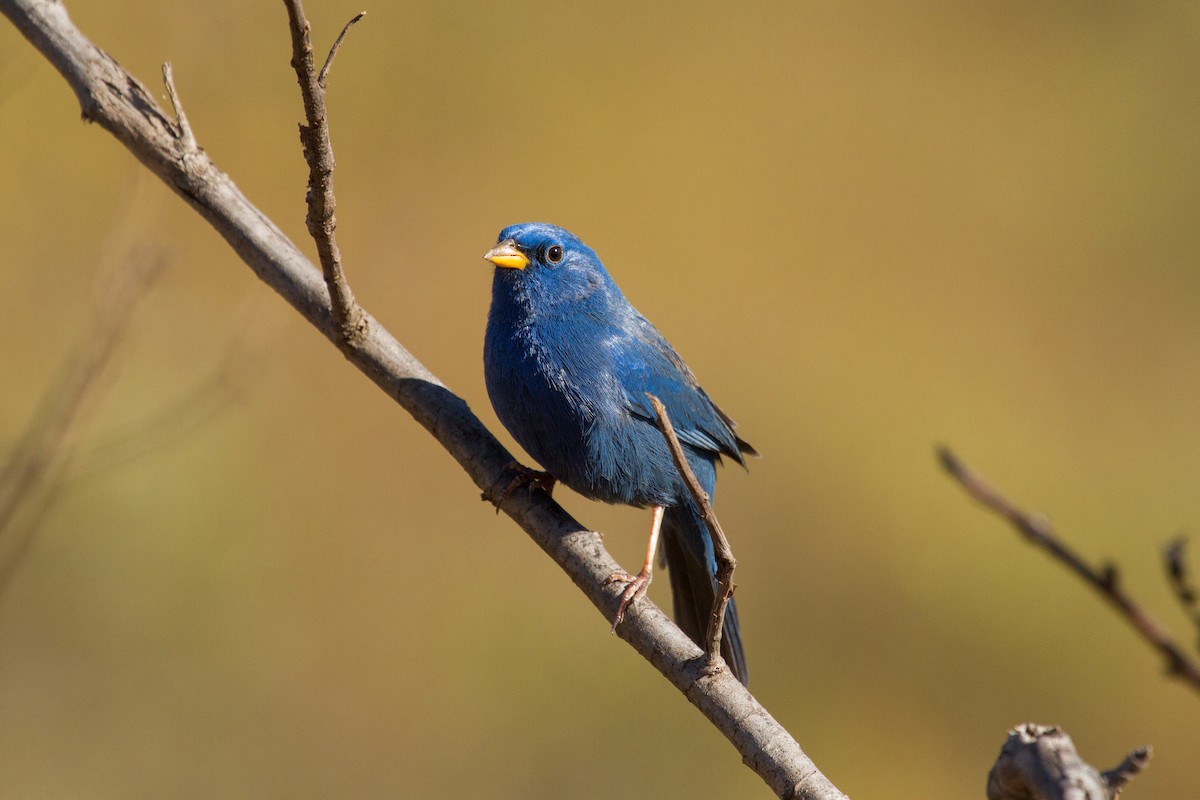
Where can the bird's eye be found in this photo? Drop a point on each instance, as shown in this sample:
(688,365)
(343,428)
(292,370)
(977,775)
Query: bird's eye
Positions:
(554,254)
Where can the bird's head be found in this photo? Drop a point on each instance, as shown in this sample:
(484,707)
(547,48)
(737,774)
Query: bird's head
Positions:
(548,264)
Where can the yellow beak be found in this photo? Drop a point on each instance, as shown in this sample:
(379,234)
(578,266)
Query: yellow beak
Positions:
(507,255)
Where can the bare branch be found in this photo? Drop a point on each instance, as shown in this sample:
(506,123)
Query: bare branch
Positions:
(726,563)
(114,100)
(318,152)
(1039,762)
(1104,580)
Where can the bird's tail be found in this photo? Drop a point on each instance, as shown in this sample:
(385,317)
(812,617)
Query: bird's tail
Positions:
(691,565)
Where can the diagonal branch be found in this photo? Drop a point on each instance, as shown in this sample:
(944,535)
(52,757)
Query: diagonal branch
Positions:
(1104,580)
(113,99)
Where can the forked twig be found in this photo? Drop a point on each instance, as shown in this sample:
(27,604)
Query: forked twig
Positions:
(318,153)
(1104,580)
(31,476)
(726,563)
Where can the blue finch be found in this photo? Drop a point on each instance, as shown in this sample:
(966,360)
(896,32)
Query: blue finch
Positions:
(569,363)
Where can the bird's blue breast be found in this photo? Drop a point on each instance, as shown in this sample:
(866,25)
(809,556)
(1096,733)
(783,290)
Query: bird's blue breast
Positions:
(556,382)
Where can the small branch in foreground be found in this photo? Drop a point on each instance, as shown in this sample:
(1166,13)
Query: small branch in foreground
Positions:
(726,563)
(1037,530)
(318,153)
(1180,579)
(1039,762)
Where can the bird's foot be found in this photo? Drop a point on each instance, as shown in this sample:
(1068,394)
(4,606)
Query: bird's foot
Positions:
(523,475)
(635,587)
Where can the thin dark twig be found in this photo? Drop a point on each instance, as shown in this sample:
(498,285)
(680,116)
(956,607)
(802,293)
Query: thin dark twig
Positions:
(1104,580)
(337,43)
(185,129)
(726,563)
(1180,579)
(318,153)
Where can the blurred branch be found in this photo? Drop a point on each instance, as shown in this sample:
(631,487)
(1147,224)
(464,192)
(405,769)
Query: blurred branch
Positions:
(1038,762)
(1037,530)
(187,412)
(1180,578)
(30,478)
(726,563)
(113,99)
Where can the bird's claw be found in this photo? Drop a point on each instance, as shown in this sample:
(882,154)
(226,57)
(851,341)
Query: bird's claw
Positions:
(635,587)
(535,479)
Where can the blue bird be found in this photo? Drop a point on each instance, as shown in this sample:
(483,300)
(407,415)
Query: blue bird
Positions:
(568,364)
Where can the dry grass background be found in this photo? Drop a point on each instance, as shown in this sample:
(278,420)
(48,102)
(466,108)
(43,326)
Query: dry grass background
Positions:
(869,229)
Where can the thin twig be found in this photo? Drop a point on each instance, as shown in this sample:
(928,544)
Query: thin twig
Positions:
(184,128)
(322,202)
(726,563)
(1104,580)
(337,43)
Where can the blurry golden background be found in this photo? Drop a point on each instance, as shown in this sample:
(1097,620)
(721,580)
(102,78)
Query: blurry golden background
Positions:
(870,229)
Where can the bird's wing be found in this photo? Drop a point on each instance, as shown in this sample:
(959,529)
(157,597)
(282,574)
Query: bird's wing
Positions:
(647,364)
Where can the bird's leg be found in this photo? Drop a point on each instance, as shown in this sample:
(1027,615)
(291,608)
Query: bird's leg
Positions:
(638,584)
(524,475)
